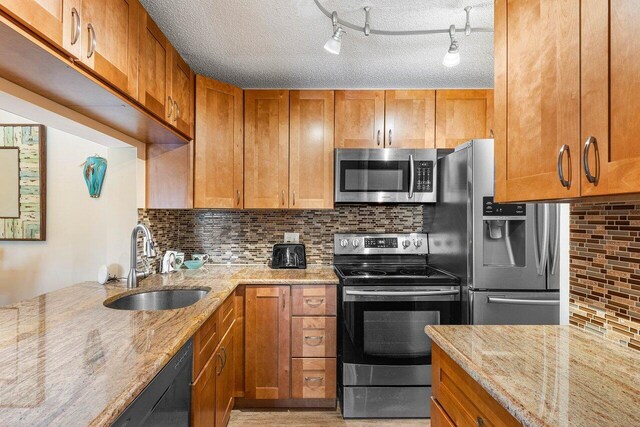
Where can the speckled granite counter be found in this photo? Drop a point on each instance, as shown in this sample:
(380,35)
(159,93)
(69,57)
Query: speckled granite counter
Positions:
(65,359)
(549,375)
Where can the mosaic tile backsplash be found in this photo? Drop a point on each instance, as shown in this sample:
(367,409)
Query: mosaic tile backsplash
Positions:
(605,270)
(246,237)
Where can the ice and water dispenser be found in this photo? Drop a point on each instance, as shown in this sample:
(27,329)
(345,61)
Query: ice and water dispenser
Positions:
(504,237)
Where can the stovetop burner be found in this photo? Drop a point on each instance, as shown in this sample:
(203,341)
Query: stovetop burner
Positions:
(368,273)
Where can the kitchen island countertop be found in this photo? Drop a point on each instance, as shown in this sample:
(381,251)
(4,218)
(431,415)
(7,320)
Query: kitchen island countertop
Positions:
(548,375)
(66,359)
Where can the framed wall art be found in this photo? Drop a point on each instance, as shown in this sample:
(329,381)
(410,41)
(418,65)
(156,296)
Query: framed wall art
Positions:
(22,182)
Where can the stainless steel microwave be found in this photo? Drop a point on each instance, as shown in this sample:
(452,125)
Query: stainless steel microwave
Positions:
(390,175)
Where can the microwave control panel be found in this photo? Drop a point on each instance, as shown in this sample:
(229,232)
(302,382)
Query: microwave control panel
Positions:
(424,176)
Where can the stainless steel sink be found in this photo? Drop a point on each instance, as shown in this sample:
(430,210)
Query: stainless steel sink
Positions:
(162,299)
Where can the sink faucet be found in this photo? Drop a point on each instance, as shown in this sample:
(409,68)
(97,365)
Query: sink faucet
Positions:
(148,250)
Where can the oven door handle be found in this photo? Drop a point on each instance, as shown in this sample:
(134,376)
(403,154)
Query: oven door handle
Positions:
(411,176)
(402,293)
(520,301)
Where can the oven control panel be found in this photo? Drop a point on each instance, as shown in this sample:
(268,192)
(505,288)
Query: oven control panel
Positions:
(381,244)
(424,177)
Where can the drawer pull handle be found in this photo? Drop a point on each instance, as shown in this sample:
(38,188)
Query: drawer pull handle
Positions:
(314,303)
(318,338)
(313,379)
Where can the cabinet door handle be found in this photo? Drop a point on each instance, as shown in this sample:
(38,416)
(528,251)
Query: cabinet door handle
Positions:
(390,140)
(224,350)
(284,297)
(317,338)
(238,197)
(76,25)
(282,197)
(378,137)
(177,116)
(170,101)
(314,303)
(92,41)
(585,159)
(294,198)
(221,364)
(480,422)
(565,182)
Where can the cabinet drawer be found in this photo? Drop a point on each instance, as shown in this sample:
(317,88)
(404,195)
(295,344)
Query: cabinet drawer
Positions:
(313,337)
(205,341)
(313,378)
(462,398)
(227,313)
(439,417)
(314,300)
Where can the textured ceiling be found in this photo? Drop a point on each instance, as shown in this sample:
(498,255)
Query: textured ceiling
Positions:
(279,43)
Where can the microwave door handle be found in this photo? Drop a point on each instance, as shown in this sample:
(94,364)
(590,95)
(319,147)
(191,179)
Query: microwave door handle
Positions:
(411,176)
(403,293)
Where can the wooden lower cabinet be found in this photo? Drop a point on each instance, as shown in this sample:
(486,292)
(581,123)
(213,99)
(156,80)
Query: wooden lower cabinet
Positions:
(313,378)
(458,400)
(225,380)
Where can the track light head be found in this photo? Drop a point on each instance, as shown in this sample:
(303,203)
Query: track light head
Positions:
(452,58)
(334,43)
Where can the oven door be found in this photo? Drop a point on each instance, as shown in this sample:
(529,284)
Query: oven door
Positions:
(384,176)
(384,325)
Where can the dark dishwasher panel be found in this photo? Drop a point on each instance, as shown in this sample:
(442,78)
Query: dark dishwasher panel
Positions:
(166,401)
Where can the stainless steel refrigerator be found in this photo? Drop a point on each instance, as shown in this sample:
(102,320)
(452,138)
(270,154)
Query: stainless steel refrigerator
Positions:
(505,254)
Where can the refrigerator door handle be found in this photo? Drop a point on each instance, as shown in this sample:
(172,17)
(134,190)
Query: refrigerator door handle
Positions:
(544,255)
(520,301)
(536,244)
(556,245)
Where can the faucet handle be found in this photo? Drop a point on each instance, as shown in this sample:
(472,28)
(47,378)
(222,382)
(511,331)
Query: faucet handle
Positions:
(149,248)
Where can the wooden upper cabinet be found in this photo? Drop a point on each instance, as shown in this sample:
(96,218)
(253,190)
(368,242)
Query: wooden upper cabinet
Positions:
(537,99)
(462,115)
(610,97)
(311,149)
(266,149)
(410,118)
(110,41)
(359,119)
(155,67)
(218,145)
(57,21)
(267,342)
(182,94)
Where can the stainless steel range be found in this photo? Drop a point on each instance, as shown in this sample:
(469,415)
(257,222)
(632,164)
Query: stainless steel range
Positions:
(387,295)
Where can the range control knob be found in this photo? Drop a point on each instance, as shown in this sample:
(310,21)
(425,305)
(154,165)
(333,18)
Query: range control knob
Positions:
(344,243)
(355,243)
(417,243)
(406,243)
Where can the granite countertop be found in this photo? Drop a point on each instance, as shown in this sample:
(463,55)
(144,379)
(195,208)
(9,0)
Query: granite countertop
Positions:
(549,375)
(65,359)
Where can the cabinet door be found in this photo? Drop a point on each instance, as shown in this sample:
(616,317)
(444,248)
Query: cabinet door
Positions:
(218,160)
(311,149)
(266,149)
(410,118)
(267,342)
(57,21)
(225,380)
(182,92)
(203,394)
(610,97)
(155,68)
(462,115)
(537,99)
(359,119)
(110,38)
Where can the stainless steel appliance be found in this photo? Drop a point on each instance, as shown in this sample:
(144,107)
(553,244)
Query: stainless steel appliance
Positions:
(288,255)
(385,175)
(166,401)
(386,296)
(505,254)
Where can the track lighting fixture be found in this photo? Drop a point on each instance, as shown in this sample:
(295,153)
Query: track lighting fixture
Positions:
(334,43)
(452,58)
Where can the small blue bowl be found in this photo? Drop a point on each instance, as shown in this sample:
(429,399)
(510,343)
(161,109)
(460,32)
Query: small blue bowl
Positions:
(193,264)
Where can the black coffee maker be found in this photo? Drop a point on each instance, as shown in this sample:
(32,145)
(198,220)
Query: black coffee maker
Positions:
(288,255)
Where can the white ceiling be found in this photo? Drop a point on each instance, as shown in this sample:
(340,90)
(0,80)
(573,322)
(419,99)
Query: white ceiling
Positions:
(279,43)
